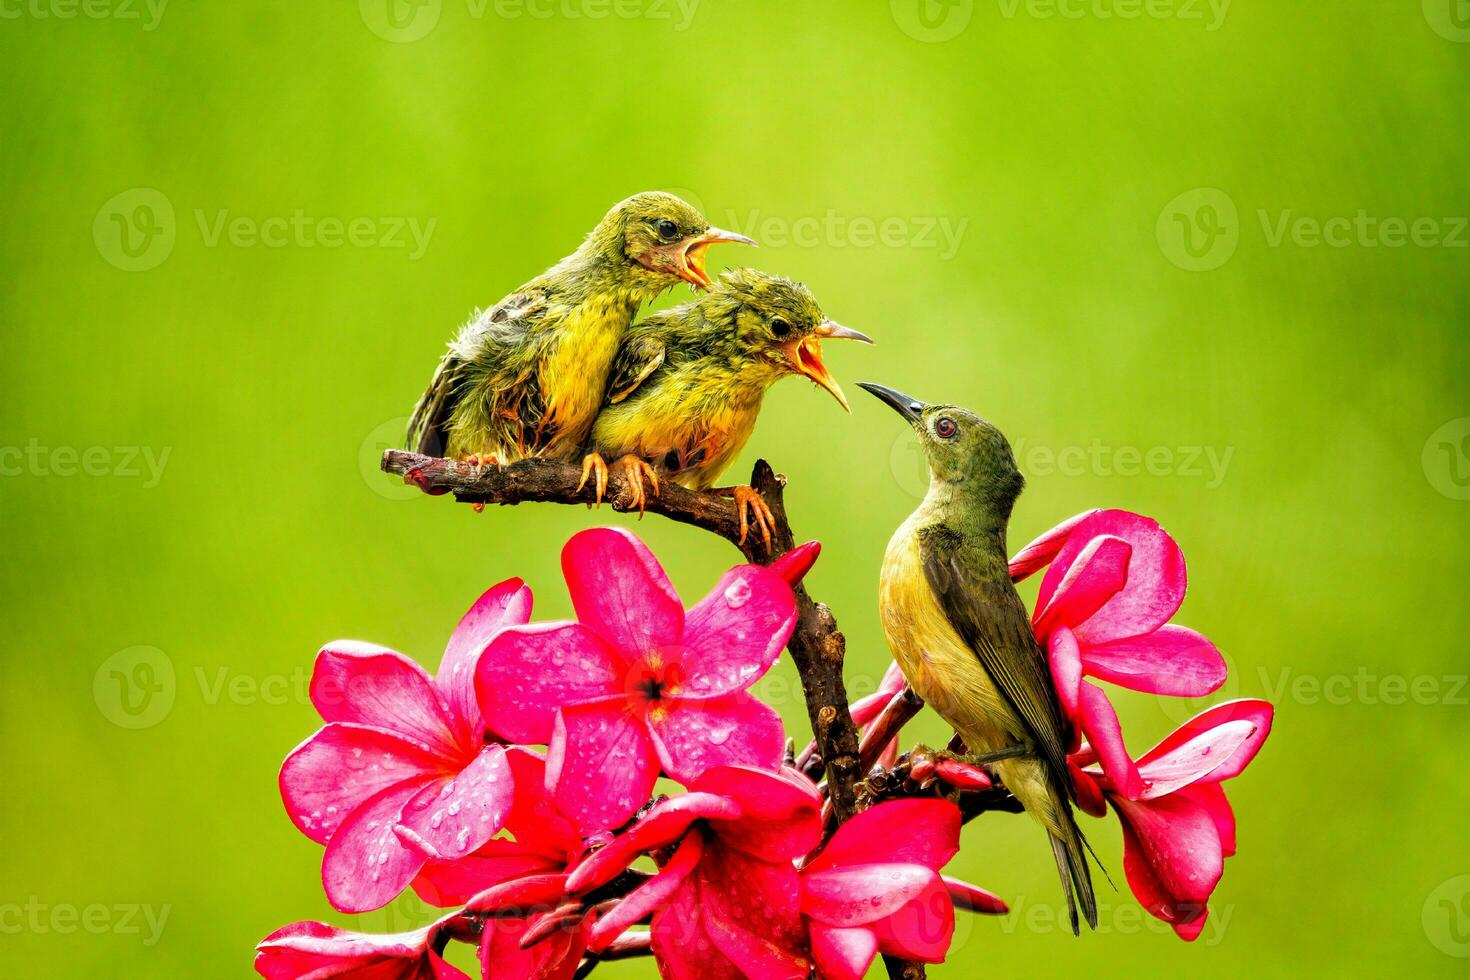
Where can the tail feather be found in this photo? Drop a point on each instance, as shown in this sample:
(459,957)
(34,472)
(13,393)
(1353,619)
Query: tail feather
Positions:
(1070,847)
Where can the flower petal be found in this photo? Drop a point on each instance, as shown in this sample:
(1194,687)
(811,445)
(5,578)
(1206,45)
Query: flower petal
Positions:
(1089,795)
(340,767)
(534,818)
(681,946)
(922,930)
(1211,796)
(620,591)
(1174,839)
(366,866)
(734,635)
(779,815)
(661,826)
(1040,552)
(1189,931)
(916,831)
(1171,660)
(735,730)
(1259,713)
(601,764)
(454,817)
(450,884)
(1156,577)
(315,949)
(528,672)
(1191,761)
(858,895)
(972,898)
(371,685)
(1105,737)
(865,709)
(649,896)
(794,565)
(1099,572)
(1065,660)
(554,958)
(506,604)
(752,913)
(843,954)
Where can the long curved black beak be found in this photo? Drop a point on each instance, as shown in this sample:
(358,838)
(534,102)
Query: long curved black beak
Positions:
(906,405)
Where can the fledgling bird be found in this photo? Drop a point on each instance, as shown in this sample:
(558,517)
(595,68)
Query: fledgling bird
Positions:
(961,634)
(687,384)
(526,377)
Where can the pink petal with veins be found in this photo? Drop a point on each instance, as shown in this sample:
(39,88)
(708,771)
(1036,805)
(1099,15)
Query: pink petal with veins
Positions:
(917,831)
(1191,761)
(735,730)
(648,897)
(780,813)
(1257,712)
(601,764)
(734,635)
(843,954)
(1171,660)
(858,895)
(661,826)
(1040,552)
(971,898)
(449,884)
(1099,572)
(620,591)
(372,685)
(1105,736)
(554,958)
(1065,660)
(528,672)
(454,817)
(922,930)
(506,604)
(365,865)
(1175,841)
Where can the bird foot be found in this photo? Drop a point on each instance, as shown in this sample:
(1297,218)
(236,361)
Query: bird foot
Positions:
(480,462)
(636,471)
(748,503)
(593,465)
(978,760)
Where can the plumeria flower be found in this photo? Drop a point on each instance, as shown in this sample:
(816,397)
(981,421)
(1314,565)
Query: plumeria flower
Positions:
(638,684)
(317,951)
(876,888)
(405,769)
(726,903)
(1179,828)
(1113,581)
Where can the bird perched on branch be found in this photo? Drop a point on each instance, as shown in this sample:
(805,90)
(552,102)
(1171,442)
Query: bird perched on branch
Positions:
(961,634)
(526,377)
(687,384)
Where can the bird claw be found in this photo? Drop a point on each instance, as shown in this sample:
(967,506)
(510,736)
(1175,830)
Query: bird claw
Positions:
(593,463)
(636,471)
(748,501)
(480,462)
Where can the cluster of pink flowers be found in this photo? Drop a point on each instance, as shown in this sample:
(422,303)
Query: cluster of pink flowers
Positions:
(431,782)
(435,783)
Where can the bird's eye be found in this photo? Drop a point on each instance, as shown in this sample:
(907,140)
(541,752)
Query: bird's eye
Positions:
(780,327)
(666,229)
(945,428)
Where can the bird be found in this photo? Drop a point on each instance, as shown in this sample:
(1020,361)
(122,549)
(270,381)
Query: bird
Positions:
(960,631)
(526,376)
(687,384)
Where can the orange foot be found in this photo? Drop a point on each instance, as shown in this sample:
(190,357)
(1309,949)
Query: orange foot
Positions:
(592,464)
(480,462)
(748,503)
(636,471)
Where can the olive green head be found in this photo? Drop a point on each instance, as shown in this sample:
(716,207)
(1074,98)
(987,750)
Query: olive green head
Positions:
(965,451)
(779,323)
(662,234)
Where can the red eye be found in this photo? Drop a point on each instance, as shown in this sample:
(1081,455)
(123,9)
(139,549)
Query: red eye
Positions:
(945,428)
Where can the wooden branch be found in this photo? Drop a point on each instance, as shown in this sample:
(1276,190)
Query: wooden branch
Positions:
(817,646)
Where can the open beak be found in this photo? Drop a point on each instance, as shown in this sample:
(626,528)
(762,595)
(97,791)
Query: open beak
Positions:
(806,356)
(689,261)
(906,405)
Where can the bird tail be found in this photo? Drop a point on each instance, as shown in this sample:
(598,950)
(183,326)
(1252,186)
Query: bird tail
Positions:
(1070,847)
(427,428)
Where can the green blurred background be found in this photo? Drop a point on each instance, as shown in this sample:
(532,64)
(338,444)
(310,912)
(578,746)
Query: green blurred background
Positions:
(198,384)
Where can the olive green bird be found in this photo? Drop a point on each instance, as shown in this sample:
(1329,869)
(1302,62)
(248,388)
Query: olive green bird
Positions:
(687,385)
(527,376)
(961,634)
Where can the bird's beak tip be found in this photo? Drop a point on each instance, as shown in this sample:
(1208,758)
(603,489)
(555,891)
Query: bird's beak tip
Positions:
(906,405)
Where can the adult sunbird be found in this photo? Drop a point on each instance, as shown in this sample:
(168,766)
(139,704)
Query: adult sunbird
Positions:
(961,634)
(526,377)
(687,385)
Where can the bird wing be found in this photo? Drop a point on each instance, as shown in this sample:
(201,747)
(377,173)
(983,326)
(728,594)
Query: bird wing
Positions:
(991,618)
(504,323)
(638,358)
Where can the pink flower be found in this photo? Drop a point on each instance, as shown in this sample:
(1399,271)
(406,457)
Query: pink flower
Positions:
(638,684)
(726,904)
(1179,828)
(876,888)
(316,951)
(405,769)
(1114,582)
